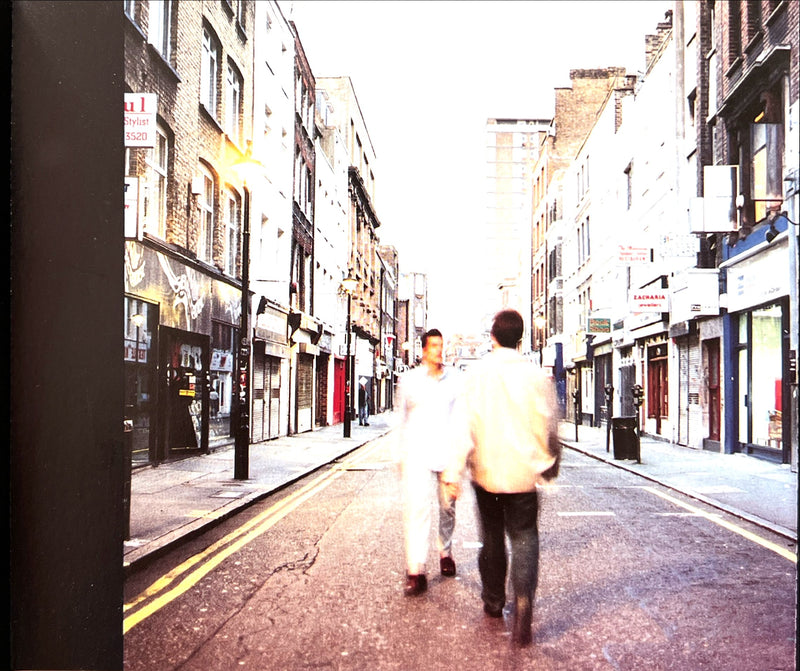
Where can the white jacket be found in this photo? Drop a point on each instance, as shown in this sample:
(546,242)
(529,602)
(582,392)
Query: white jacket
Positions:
(506,424)
(424,408)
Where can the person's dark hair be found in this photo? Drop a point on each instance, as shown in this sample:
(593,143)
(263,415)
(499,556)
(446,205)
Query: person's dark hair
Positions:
(433,333)
(507,328)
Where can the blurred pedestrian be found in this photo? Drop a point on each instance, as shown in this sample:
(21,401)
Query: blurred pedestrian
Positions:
(508,439)
(426,395)
(363,404)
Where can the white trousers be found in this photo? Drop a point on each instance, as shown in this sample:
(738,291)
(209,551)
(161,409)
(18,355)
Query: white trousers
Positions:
(417,485)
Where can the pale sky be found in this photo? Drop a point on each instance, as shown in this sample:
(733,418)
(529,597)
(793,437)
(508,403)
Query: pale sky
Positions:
(428,74)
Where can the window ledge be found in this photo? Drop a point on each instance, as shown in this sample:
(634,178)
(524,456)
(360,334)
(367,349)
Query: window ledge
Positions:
(159,58)
(734,66)
(135,25)
(775,12)
(240,31)
(204,112)
(755,41)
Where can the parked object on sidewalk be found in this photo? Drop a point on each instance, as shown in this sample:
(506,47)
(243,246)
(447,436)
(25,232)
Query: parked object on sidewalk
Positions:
(626,438)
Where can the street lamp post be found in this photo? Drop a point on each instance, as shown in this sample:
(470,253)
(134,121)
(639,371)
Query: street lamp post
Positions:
(348,286)
(245,169)
(241,469)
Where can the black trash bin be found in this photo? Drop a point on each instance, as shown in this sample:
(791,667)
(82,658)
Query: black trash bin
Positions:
(626,439)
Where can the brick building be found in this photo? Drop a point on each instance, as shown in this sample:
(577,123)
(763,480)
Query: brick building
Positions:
(750,58)
(576,110)
(307,373)
(184,205)
(363,223)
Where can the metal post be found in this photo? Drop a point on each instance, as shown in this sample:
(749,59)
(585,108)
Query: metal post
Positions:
(242,428)
(576,404)
(347,374)
(638,399)
(609,390)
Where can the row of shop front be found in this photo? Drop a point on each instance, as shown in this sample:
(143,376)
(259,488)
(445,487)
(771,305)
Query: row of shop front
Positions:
(180,346)
(723,382)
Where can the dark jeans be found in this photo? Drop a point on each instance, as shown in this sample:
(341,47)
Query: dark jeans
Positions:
(515,515)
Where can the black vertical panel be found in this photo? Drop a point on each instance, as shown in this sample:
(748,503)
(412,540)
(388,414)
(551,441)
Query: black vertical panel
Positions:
(66,378)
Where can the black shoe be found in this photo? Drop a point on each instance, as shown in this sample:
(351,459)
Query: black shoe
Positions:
(521,627)
(416,584)
(492,612)
(447,566)
(366,423)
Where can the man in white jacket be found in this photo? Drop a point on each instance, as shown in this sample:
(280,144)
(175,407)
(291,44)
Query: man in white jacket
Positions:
(426,396)
(509,442)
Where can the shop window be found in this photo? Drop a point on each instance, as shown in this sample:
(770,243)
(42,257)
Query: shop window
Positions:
(760,377)
(223,337)
(140,325)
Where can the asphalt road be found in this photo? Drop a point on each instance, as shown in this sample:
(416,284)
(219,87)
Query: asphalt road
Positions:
(633,576)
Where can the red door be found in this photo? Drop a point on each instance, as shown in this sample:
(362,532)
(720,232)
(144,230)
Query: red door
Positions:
(338,391)
(712,358)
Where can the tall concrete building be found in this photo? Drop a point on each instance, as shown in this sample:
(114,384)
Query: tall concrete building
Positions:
(512,147)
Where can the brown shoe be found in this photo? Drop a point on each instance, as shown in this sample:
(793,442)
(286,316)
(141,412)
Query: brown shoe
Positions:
(416,584)
(447,566)
(492,612)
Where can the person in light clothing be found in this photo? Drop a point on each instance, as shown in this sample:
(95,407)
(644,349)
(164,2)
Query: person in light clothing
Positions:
(426,395)
(508,440)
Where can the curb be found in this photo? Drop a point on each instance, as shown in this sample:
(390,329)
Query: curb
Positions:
(141,557)
(753,519)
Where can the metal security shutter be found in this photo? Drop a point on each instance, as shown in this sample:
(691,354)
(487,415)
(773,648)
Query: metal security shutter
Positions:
(683,390)
(696,428)
(258,401)
(305,381)
(274,400)
(690,414)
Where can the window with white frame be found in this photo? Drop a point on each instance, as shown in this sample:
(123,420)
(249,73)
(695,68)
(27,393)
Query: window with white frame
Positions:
(233,103)
(209,73)
(766,167)
(206,204)
(233,224)
(160,26)
(130,9)
(155,185)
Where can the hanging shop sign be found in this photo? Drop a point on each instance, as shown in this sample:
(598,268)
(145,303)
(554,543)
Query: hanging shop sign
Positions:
(760,278)
(140,119)
(650,300)
(629,255)
(694,293)
(598,325)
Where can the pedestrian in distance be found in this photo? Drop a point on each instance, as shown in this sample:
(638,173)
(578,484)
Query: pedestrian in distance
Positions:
(363,404)
(426,395)
(507,438)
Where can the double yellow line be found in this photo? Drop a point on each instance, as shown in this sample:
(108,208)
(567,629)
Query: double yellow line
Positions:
(716,519)
(185,576)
